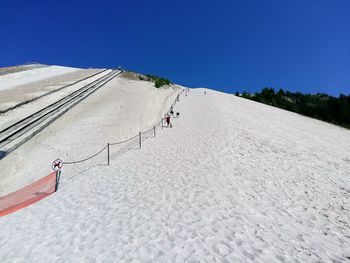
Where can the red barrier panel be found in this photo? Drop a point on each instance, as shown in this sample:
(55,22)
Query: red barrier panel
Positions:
(28,195)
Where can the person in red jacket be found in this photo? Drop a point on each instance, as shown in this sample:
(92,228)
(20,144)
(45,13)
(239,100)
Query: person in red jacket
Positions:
(167,119)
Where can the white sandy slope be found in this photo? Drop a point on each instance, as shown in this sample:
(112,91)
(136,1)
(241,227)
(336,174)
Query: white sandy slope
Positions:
(9,81)
(232,181)
(117,111)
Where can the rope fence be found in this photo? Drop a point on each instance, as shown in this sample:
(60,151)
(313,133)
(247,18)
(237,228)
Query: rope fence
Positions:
(141,138)
(88,158)
(49,184)
(136,140)
(117,143)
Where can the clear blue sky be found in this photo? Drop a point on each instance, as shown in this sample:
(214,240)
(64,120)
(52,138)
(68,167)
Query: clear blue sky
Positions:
(227,45)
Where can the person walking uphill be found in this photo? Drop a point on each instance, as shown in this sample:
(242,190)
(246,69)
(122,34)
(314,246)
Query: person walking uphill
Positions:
(167,119)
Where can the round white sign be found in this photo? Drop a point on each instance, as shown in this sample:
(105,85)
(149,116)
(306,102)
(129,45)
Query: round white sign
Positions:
(57,165)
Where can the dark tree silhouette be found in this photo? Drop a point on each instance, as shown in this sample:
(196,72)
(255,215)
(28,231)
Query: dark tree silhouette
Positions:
(320,106)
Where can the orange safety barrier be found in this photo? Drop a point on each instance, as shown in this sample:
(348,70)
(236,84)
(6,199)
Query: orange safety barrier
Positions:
(28,195)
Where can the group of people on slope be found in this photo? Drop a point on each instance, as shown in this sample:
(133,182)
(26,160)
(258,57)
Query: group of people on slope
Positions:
(167,117)
(171,112)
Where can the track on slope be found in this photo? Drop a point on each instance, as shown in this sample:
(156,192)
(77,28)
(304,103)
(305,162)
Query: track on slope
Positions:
(53,91)
(20,132)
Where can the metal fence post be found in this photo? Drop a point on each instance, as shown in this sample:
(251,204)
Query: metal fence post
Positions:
(108,154)
(162,123)
(58,175)
(140,139)
(154,129)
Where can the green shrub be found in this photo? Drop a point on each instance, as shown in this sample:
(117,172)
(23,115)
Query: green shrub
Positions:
(158,81)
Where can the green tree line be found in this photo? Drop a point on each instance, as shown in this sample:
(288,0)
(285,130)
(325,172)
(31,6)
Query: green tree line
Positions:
(320,106)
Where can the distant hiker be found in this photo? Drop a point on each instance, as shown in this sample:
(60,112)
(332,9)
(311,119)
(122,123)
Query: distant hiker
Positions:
(167,119)
(205,92)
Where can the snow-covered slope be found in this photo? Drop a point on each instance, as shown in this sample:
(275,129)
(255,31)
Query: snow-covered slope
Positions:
(232,181)
(9,81)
